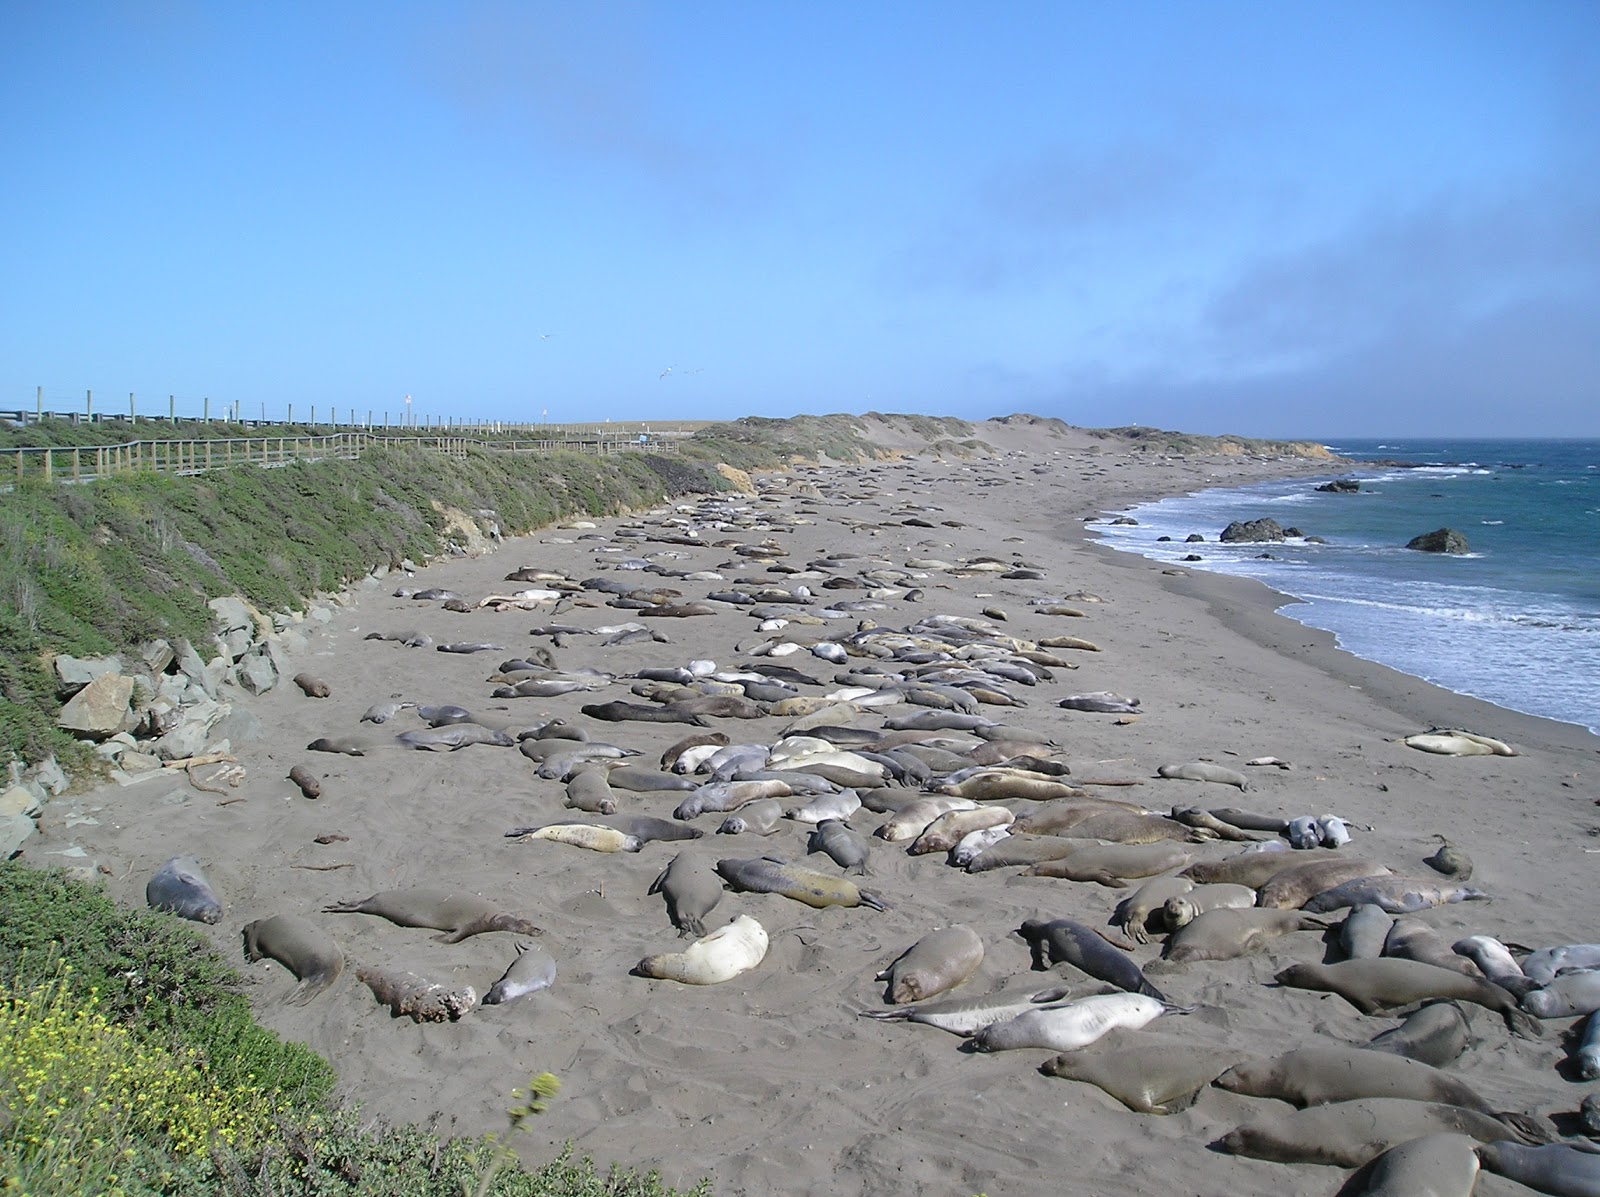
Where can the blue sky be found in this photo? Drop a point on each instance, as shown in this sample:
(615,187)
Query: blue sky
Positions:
(1320,219)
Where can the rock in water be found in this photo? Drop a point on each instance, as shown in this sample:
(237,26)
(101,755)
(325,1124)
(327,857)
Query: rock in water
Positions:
(1441,540)
(1252,530)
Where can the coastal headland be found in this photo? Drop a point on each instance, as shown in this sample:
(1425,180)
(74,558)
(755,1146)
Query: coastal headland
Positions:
(771,1081)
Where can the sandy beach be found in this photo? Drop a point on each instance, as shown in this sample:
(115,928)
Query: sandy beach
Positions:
(772,1082)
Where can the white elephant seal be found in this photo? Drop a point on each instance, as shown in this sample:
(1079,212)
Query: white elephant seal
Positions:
(712,959)
(1072,1025)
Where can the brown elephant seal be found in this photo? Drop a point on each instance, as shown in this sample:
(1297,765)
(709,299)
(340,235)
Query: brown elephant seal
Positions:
(306,950)
(1134,827)
(410,996)
(348,745)
(1228,933)
(669,758)
(1413,939)
(457,913)
(180,887)
(1440,1165)
(1204,771)
(711,959)
(1295,886)
(314,687)
(1057,940)
(589,791)
(1145,910)
(1397,895)
(773,875)
(1324,1073)
(1254,866)
(1111,864)
(532,969)
(1436,1034)
(1017,850)
(937,962)
(1558,1168)
(950,828)
(1384,984)
(306,780)
(691,889)
(1347,1134)
(1146,1074)
(1202,819)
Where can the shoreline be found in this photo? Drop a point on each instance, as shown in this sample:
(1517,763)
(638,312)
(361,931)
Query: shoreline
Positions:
(771,1082)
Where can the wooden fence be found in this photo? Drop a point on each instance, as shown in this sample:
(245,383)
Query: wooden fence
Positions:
(85,463)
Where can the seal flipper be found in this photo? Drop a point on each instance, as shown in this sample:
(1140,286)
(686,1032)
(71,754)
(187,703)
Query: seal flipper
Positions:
(1530,1128)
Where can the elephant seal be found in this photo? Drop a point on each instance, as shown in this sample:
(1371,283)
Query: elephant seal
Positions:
(1364,932)
(1071,1025)
(938,961)
(1016,850)
(647,829)
(1325,1073)
(1110,864)
(1254,866)
(453,736)
(1374,985)
(1148,1075)
(1348,1134)
(589,791)
(306,780)
(314,687)
(532,969)
(712,959)
(648,781)
(1204,771)
(761,817)
(1436,1034)
(1183,909)
(968,1016)
(1413,939)
(1295,886)
(845,847)
(180,887)
(950,828)
(1558,1168)
(1086,949)
(1146,909)
(1231,932)
(1397,895)
(416,997)
(691,890)
(593,836)
(1495,961)
(1587,1057)
(348,745)
(1567,996)
(457,913)
(1455,742)
(1543,966)
(773,875)
(1439,1165)
(306,950)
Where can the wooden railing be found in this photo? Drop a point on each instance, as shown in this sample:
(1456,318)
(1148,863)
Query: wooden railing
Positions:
(85,463)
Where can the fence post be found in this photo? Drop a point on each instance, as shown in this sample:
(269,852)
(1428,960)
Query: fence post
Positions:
(172,410)
(38,403)
(290,420)
(206,408)
(132,417)
(88,404)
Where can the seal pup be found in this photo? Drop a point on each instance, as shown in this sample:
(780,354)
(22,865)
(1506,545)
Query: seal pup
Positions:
(1587,1057)
(1559,1168)
(1543,966)
(712,959)
(531,970)
(968,1016)
(1145,910)
(590,791)
(691,889)
(937,962)
(761,817)
(1086,949)
(306,780)
(306,950)
(1348,1134)
(348,745)
(773,875)
(1374,985)
(453,736)
(1148,1075)
(1071,1025)
(593,836)
(314,687)
(180,887)
(1204,771)
(457,913)
(1439,1165)
(1183,909)
(382,712)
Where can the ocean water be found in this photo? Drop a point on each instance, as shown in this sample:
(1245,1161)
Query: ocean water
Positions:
(1515,621)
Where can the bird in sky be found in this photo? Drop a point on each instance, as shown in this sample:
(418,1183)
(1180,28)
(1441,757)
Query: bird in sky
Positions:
(664,373)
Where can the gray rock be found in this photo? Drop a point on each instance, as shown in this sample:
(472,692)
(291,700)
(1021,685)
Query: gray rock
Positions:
(74,673)
(1441,540)
(174,686)
(157,655)
(240,726)
(319,614)
(15,830)
(1252,531)
(138,764)
(233,614)
(257,674)
(182,742)
(98,710)
(160,717)
(193,668)
(49,774)
(19,800)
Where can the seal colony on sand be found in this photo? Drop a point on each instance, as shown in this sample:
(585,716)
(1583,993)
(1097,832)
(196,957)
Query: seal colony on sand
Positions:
(886,674)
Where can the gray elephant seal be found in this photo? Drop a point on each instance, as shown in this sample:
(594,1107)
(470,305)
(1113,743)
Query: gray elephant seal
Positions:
(1293,887)
(844,846)
(456,912)
(1204,771)
(1364,932)
(306,950)
(761,817)
(1413,939)
(589,791)
(1397,895)
(937,962)
(1085,948)
(1374,985)
(968,1016)
(691,889)
(1495,961)
(1558,1168)
(1348,1134)
(1145,910)
(1441,1165)
(533,969)
(772,875)
(1325,1073)
(1148,1075)
(180,887)
(1228,933)
(1567,996)
(452,736)
(348,745)
(1436,1034)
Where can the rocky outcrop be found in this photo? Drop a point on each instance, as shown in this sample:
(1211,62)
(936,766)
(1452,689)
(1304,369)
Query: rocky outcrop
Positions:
(1340,486)
(100,709)
(1250,531)
(1440,540)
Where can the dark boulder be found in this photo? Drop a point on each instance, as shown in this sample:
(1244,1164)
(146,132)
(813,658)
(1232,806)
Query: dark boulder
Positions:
(1194,538)
(1441,540)
(1252,530)
(1341,486)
